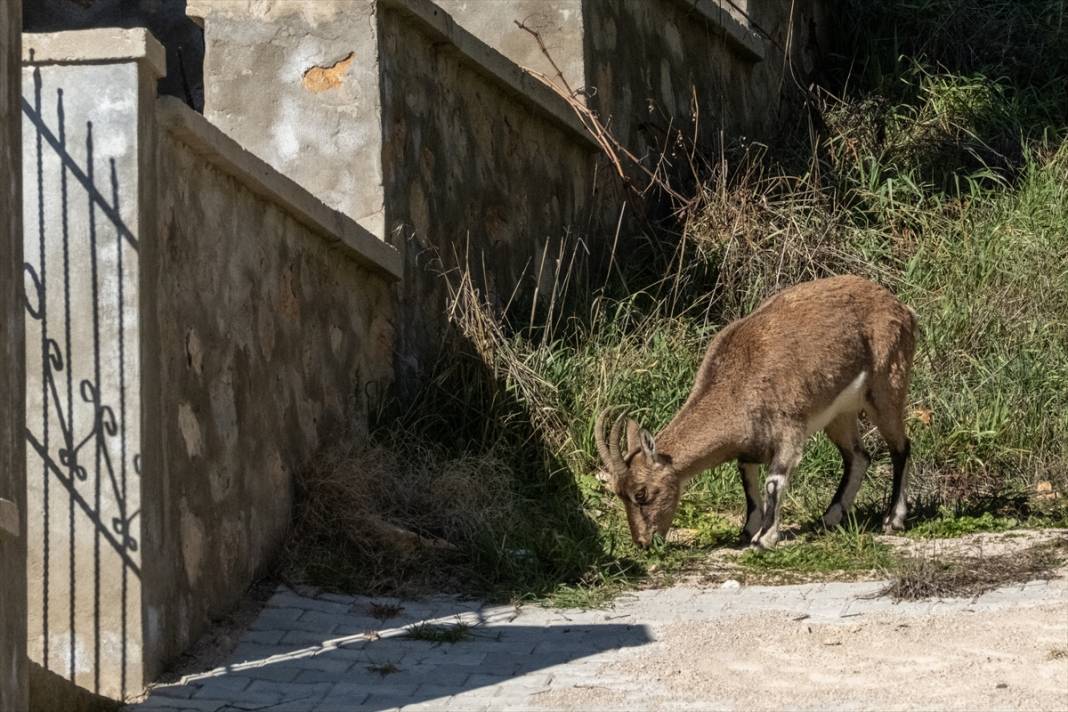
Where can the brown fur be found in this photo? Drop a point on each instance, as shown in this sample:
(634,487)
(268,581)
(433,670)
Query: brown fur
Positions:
(762,379)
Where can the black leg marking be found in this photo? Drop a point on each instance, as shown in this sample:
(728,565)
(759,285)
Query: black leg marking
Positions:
(752,503)
(847,461)
(899,458)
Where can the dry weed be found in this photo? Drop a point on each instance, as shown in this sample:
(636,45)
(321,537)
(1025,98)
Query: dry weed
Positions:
(921,578)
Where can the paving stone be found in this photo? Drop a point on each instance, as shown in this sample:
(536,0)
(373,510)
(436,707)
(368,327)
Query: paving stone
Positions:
(275,672)
(225,687)
(313,676)
(297,658)
(154,704)
(385,702)
(332,705)
(289,690)
(251,652)
(379,686)
(289,599)
(278,613)
(305,638)
(341,623)
(263,637)
(179,691)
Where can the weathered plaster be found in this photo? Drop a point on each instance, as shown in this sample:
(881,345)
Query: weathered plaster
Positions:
(13,670)
(558,22)
(326,138)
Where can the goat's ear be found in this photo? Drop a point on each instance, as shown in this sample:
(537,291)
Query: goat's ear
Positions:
(633,437)
(648,444)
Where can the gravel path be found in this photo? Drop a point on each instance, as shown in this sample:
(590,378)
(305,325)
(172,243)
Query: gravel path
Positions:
(817,646)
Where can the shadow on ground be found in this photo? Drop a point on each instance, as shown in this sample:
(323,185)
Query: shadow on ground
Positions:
(324,653)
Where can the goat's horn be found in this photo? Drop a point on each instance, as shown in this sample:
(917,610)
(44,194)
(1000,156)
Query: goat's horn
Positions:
(609,451)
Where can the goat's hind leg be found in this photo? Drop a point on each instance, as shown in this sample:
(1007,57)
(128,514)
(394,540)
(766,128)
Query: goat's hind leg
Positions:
(891,425)
(754,502)
(843,432)
(782,466)
(886,410)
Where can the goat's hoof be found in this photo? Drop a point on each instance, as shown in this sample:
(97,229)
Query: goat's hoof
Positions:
(764,541)
(833,517)
(891,526)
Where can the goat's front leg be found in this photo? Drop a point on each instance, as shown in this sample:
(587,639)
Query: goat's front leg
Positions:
(754,502)
(782,466)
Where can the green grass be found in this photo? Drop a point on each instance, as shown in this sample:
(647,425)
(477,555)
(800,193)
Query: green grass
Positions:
(941,171)
(841,551)
(952,526)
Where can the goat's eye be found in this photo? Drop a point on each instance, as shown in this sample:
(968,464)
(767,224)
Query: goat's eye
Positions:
(640,496)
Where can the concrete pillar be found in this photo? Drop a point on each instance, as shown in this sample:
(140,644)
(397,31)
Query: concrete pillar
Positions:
(82,160)
(13,682)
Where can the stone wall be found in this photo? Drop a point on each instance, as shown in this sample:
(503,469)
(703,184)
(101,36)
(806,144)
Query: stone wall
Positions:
(645,66)
(13,676)
(199,326)
(471,173)
(668,63)
(270,341)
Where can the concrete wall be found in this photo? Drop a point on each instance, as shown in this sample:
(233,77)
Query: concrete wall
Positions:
(297,84)
(559,23)
(270,341)
(83,238)
(200,325)
(13,680)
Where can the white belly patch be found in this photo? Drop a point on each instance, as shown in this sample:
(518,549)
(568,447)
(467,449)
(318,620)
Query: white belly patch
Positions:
(850,400)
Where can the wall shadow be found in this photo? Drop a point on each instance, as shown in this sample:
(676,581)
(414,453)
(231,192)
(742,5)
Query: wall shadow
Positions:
(81,418)
(181,37)
(330,653)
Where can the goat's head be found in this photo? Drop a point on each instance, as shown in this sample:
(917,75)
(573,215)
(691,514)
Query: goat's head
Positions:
(642,477)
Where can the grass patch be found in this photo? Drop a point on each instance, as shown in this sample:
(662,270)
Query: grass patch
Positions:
(921,578)
(432,633)
(840,552)
(949,527)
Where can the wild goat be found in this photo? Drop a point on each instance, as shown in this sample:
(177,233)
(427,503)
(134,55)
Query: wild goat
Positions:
(811,357)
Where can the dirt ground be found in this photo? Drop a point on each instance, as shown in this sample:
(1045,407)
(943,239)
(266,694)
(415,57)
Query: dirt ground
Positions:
(1012,660)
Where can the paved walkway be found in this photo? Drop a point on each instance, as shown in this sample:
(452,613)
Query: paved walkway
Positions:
(327,653)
